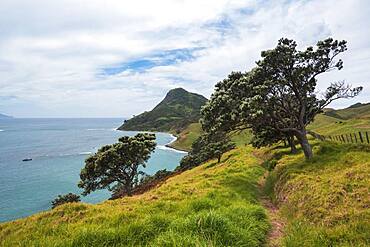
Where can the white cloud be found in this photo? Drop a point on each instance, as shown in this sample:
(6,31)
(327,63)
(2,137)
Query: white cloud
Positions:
(51,52)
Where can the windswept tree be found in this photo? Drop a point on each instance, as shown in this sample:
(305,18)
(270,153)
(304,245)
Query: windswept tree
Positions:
(278,98)
(286,79)
(116,167)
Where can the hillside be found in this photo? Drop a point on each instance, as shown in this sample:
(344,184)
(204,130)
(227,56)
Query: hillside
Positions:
(177,110)
(322,202)
(358,110)
(344,121)
(2,116)
(210,205)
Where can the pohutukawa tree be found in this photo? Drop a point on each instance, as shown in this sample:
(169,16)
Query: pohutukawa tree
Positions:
(278,98)
(286,81)
(116,167)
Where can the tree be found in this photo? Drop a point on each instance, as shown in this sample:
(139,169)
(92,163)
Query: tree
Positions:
(222,112)
(208,146)
(285,87)
(116,167)
(278,98)
(67,198)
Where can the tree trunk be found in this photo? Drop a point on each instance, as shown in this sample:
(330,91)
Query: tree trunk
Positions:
(293,149)
(306,147)
(129,189)
(219,158)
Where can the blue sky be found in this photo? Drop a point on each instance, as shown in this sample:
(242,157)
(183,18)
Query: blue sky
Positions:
(93,58)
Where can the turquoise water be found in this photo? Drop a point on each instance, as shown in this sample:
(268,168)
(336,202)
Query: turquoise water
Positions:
(58,148)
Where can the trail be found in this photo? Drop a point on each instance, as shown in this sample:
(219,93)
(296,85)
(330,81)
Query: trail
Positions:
(277,224)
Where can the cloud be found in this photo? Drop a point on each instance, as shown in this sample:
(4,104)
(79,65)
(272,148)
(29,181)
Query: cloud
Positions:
(118,58)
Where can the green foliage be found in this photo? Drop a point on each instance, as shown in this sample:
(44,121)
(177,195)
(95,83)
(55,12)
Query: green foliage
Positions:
(177,110)
(207,146)
(67,198)
(278,99)
(210,205)
(115,166)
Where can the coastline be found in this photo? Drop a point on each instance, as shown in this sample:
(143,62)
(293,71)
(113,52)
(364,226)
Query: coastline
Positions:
(165,146)
(168,145)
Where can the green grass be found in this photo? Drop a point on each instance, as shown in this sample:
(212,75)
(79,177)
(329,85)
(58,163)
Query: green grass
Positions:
(325,200)
(344,121)
(326,125)
(211,205)
(187,137)
(354,111)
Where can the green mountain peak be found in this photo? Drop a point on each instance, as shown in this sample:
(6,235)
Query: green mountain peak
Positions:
(178,109)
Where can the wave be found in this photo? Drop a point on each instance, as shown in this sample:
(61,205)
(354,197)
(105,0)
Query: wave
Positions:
(171,149)
(84,153)
(102,129)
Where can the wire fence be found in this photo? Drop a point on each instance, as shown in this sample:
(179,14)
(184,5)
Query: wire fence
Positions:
(359,137)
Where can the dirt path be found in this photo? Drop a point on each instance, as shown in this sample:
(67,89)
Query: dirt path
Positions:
(277,224)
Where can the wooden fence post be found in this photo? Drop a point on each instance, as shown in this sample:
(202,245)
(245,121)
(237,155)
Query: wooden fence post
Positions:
(355,137)
(367,137)
(347,138)
(359,133)
(343,139)
(350,134)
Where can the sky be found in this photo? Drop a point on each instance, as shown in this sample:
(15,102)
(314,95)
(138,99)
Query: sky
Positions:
(105,58)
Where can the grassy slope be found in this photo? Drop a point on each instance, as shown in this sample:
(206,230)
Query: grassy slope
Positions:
(344,121)
(194,130)
(326,200)
(187,137)
(211,205)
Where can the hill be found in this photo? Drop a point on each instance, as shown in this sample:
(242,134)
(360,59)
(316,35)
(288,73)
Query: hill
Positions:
(210,205)
(355,111)
(176,111)
(3,116)
(344,121)
(321,202)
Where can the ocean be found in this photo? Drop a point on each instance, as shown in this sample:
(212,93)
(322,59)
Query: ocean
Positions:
(58,148)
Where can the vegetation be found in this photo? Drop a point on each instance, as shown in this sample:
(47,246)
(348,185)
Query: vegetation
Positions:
(116,167)
(67,198)
(278,98)
(210,205)
(343,121)
(209,145)
(325,201)
(187,136)
(176,111)
(322,199)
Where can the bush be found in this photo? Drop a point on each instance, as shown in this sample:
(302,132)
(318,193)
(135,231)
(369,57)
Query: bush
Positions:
(67,198)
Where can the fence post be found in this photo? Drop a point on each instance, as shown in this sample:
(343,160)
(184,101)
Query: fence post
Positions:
(367,138)
(347,138)
(351,137)
(359,133)
(343,139)
(355,137)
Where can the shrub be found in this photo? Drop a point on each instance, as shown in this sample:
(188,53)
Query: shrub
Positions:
(67,198)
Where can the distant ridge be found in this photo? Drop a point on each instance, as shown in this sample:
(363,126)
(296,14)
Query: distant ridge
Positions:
(177,110)
(3,116)
(358,110)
